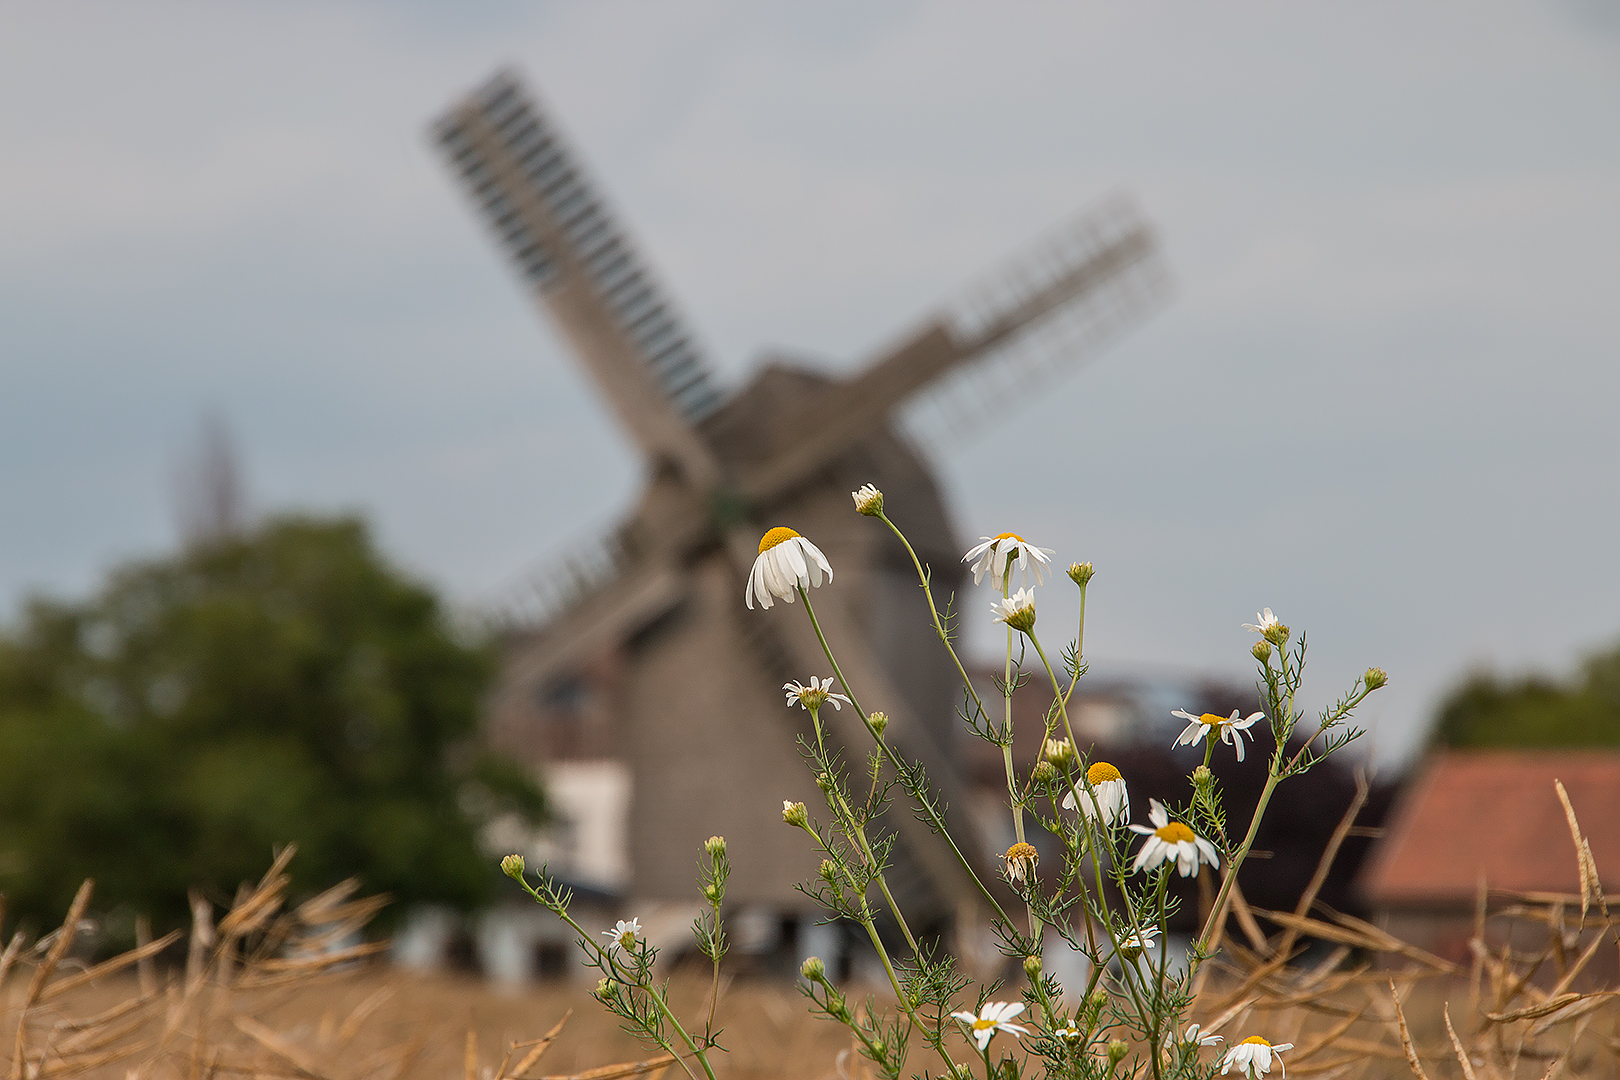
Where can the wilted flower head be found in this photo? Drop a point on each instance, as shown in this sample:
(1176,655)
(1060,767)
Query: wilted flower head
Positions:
(814,696)
(787,562)
(1190,1038)
(868,500)
(1229,728)
(1017,610)
(995,1016)
(1169,841)
(1268,627)
(1000,553)
(1021,859)
(1081,572)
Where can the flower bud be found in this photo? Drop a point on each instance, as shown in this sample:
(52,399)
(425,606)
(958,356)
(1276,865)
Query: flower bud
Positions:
(794,814)
(1044,773)
(1262,651)
(1080,573)
(879,721)
(1117,1049)
(824,781)
(512,867)
(813,969)
(604,990)
(1059,752)
(1375,677)
(1277,634)
(1202,778)
(828,871)
(868,500)
(1032,968)
(715,846)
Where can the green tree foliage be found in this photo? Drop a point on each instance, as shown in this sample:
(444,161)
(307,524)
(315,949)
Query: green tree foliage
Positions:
(286,685)
(1536,711)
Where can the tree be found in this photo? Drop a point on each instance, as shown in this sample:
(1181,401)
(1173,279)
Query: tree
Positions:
(1535,711)
(280,684)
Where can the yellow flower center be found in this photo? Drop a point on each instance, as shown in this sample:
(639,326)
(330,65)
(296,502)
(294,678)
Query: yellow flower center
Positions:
(774,537)
(1022,851)
(1174,833)
(1256,1040)
(1209,718)
(1009,536)
(981,1023)
(1101,773)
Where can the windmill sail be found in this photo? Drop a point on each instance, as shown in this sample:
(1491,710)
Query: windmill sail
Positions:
(566,244)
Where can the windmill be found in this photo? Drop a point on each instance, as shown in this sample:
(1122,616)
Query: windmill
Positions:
(648,623)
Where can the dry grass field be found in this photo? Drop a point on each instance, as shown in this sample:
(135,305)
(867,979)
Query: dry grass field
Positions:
(276,992)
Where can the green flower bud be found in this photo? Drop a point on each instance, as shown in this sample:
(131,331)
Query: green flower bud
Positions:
(715,846)
(879,721)
(604,990)
(1375,677)
(1080,573)
(813,969)
(1032,968)
(1202,777)
(512,867)
(829,871)
(868,500)
(824,781)
(1262,651)
(1117,1049)
(1044,773)
(1059,752)
(794,814)
(1277,634)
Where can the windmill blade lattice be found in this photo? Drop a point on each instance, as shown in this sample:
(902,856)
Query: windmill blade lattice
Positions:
(1042,314)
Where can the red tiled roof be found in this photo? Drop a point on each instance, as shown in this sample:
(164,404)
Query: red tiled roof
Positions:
(1495,814)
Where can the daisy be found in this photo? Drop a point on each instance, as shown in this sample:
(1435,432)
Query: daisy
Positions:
(1138,943)
(1017,610)
(868,500)
(1068,1032)
(993,1017)
(1168,840)
(1265,620)
(1190,1038)
(815,695)
(1021,860)
(1106,801)
(997,555)
(1253,1057)
(787,562)
(1231,729)
(624,935)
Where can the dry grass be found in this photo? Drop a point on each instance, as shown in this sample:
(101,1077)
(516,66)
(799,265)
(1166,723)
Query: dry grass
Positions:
(275,992)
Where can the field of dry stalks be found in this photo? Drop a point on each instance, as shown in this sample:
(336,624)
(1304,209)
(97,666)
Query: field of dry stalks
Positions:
(273,991)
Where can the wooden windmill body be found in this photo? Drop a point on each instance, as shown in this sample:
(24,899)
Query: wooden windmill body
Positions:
(648,626)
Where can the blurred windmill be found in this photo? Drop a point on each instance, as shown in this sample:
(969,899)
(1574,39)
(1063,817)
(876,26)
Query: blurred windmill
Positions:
(644,633)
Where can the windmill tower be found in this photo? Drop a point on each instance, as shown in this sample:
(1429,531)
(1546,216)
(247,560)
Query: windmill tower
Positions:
(647,627)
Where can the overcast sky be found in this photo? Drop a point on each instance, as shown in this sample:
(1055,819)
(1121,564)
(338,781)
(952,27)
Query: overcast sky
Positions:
(1383,402)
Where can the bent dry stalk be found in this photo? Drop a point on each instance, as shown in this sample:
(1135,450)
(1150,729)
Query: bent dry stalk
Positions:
(1106,898)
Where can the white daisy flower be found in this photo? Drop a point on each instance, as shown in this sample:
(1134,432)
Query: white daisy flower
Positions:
(1107,800)
(814,696)
(1253,1056)
(1171,840)
(994,1017)
(997,555)
(624,935)
(1139,942)
(1017,610)
(1021,859)
(1230,728)
(1068,1032)
(1264,620)
(787,562)
(1190,1038)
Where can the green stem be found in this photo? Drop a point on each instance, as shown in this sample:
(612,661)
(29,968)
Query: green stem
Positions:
(1236,861)
(894,759)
